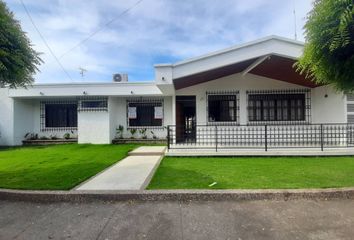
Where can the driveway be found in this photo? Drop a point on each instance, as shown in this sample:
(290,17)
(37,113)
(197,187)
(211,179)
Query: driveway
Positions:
(179,220)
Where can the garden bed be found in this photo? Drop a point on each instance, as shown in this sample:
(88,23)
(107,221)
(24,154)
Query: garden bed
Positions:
(139,141)
(49,141)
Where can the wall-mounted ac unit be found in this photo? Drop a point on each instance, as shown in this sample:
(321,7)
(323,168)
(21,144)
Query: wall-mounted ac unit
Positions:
(120,77)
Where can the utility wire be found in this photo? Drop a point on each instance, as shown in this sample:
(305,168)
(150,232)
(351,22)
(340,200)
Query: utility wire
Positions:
(100,29)
(45,42)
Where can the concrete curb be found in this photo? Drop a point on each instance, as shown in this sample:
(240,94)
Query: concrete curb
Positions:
(175,195)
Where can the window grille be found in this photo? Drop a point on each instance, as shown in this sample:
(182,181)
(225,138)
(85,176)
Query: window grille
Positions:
(279,106)
(58,115)
(145,113)
(93,104)
(223,107)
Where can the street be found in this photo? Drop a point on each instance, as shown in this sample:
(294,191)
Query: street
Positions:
(303,219)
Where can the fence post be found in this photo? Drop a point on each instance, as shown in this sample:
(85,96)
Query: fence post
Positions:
(216,138)
(265,138)
(168,137)
(322,137)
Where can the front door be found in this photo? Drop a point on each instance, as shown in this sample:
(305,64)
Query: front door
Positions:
(185,119)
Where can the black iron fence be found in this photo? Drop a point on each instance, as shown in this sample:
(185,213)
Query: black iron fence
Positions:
(261,136)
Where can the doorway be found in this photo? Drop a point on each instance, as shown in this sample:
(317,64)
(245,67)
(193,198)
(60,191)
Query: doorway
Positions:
(185,119)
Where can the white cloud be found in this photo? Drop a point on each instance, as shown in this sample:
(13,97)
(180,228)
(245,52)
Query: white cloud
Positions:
(154,30)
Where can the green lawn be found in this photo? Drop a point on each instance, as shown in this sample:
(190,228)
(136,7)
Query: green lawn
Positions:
(56,167)
(254,173)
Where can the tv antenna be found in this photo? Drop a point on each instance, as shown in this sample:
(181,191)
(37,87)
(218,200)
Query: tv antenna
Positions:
(295,24)
(82,71)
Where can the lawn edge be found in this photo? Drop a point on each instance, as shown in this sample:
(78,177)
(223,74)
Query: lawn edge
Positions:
(176,195)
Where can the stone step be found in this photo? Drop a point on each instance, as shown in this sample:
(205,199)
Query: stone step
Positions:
(148,151)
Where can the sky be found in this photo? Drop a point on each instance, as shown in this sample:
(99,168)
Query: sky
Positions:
(151,32)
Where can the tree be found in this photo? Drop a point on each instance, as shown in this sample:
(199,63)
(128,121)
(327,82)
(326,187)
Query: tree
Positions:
(328,56)
(18,61)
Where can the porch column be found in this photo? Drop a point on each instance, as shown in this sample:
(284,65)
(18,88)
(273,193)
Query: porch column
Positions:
(243,107)
(173,122)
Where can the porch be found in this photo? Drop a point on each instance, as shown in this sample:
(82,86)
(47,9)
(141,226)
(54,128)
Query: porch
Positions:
(277,139)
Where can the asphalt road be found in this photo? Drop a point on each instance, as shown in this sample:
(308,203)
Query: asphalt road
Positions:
(179,220)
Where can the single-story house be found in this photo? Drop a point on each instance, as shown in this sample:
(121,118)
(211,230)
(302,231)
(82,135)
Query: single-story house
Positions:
(248,95)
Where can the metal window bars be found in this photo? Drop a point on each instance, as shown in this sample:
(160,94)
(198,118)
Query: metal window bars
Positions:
(92,104)
(274,106)
(233,95)
(146,101)
(43,127)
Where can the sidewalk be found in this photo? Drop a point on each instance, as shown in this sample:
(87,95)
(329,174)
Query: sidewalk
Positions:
(132,173)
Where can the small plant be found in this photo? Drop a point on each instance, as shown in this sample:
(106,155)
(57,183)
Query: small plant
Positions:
(153,135)
(53,137)
(31,136)
(66,136)
(132,132)
(143,133)
(119,131)
(43,138)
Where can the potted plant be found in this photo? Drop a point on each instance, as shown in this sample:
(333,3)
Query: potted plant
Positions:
(119,131)
(66,136)
(31,136)
(143,133)
(132,132)
(53,137)
(153,135)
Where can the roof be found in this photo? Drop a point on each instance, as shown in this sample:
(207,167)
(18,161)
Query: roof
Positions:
(87,89)
(233,48)
(271,57)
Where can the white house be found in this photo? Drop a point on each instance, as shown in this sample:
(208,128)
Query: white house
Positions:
(247,95)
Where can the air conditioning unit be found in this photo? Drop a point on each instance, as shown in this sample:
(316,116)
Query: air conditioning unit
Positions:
(120,77)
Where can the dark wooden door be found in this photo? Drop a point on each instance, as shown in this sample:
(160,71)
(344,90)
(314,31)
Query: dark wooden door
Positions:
(185,119)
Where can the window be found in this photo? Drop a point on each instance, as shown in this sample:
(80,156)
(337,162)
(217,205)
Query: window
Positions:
(276,107)
(145,114)
(222,108)
(93,105)
(60,115)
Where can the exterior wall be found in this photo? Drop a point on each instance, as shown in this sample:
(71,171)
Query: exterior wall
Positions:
(319,110)
(330,109)
(118,112)
(23,119)
(94,127)
(6,118)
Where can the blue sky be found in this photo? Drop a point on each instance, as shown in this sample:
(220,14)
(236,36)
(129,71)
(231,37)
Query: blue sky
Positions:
(154,31)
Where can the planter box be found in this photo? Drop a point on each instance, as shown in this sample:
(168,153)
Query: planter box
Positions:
(49,141)
(139,141)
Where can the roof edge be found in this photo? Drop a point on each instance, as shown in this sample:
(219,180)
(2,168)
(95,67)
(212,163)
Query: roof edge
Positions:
(235,47)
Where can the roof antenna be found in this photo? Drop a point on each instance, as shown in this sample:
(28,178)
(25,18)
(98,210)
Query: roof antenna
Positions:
(295,25)
(82,71)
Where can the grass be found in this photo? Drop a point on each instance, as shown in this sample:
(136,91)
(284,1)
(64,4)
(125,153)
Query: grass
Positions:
(254,173)
(59,167)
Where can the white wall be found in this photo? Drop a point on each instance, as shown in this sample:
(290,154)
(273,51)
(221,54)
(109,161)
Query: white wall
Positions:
(233,82)
(6,118)
(94,127)
(23,119)
(330,109)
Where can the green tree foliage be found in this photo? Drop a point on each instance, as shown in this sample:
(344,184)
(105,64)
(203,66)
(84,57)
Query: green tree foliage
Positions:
(329,50)
(18,61)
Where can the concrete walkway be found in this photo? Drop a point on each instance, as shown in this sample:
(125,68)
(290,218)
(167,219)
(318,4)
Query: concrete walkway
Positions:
(132,173)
